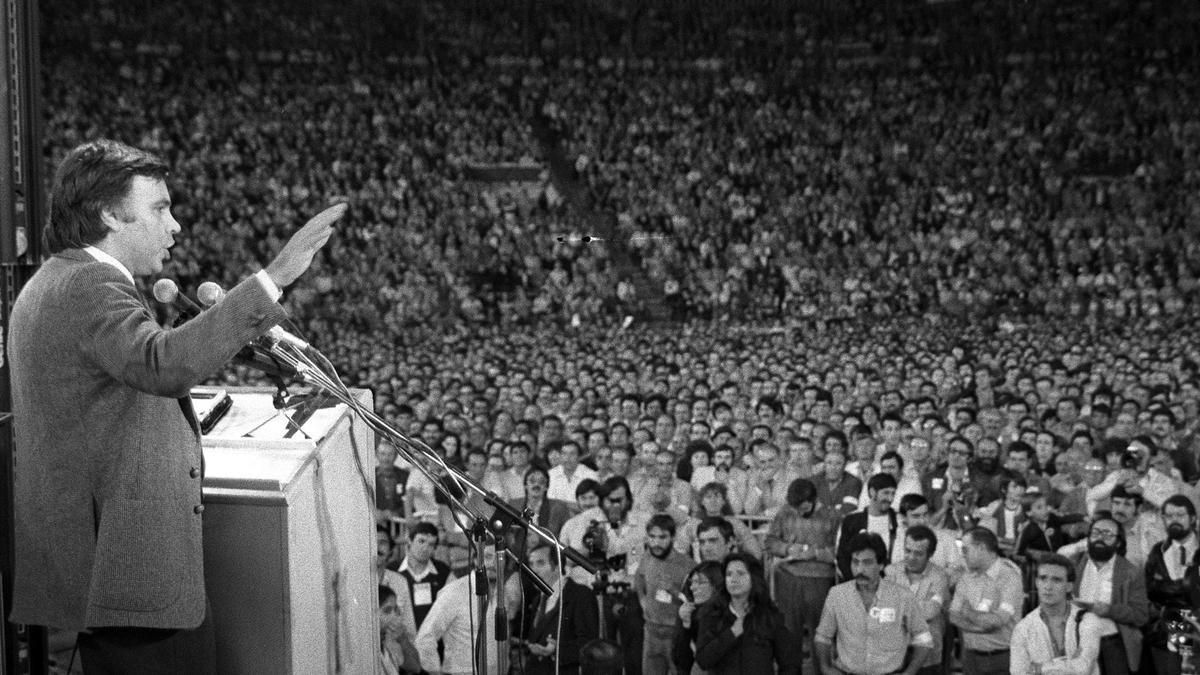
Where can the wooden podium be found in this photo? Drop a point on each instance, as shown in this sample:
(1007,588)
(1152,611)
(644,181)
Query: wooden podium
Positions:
(289,541)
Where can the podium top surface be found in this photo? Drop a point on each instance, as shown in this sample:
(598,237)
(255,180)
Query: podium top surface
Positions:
(256,447)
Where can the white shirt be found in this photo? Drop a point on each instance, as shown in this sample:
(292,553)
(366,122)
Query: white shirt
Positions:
(1096,586)
(882,526)
(1171,556)
(450,620)
(563,488)
(1032,644)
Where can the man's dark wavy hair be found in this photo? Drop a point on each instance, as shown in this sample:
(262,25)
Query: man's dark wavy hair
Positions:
(94,177)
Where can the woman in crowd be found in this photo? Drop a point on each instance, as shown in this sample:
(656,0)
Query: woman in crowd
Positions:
(741,630)
(703,583)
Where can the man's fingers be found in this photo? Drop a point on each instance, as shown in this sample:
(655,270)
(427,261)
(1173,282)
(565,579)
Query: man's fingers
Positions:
(327,217)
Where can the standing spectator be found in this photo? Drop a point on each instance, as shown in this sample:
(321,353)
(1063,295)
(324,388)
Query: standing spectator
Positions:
(571,605)
(986,602)
(704,582)
(425,574)
(513,478)
(1056,638)
(567,476)
(661,491)
(1113,589)
(837,490)
(878,517)
(767,484)
(741,631)
(550,514)
(1138,475)
(802,536)
(929,583)
(869,623)
(713,503)
(723,471)
(1172,579)
(1141,530)
(658,583)
(914,511)
(453,618)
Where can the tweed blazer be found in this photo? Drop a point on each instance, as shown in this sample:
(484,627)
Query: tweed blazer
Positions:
(108,457)
(1130,606)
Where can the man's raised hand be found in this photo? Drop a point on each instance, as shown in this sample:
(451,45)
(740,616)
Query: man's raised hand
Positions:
(298,252)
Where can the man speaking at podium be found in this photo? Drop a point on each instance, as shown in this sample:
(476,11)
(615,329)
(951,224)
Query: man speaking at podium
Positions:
(108,458)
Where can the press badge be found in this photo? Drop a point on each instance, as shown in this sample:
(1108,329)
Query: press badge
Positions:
(938,483)
(422,594)
(663,596)
(887,614)
(985,605)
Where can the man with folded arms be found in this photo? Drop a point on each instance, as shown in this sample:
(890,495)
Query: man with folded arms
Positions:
(986,603)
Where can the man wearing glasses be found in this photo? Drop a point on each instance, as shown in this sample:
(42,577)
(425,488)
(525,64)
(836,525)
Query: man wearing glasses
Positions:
(951,489)
(1113,589)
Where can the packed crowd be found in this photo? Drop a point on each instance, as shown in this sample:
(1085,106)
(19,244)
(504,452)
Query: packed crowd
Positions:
(1045,173)
(974,455)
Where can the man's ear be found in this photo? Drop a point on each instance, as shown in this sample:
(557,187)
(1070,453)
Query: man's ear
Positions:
(111,219)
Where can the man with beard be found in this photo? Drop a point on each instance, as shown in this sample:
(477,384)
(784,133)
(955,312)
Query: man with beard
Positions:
(801,536)
(723,471)
(625,529)
(869,624)
(1112,588)
(1141,530)
(1172,579)
(986,468)
(659,583)
(929,583)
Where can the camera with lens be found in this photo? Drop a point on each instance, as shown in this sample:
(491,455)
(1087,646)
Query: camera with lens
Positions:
(1131,459)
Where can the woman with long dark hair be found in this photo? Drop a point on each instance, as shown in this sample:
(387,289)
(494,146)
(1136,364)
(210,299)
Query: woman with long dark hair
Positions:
(741,630)
(702,584)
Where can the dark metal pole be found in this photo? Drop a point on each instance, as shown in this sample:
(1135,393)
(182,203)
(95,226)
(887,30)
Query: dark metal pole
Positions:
(21,211)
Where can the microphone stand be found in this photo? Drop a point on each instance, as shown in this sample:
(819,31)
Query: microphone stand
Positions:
(491,515)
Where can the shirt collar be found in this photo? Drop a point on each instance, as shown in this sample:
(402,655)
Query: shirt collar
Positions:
(1100,567)
(1191,542)
(103,257)
(428,570)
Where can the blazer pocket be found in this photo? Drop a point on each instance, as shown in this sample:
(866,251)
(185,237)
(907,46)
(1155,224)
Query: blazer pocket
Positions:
(137,567)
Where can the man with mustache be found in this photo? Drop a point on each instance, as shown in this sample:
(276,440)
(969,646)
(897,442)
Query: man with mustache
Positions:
(1112,588)
(1172,579)
(869,624)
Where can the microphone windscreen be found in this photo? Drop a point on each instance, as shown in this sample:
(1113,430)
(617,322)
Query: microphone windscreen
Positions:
(165,291)
(209,293)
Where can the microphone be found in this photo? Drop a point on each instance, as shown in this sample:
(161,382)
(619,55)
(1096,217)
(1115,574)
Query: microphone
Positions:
(167,292)
(211,293)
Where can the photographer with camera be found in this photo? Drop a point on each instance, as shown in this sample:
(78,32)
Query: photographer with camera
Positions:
(1137,475)
(613,536)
